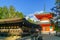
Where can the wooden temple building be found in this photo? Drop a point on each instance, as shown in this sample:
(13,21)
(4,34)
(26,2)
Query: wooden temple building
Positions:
(15,26)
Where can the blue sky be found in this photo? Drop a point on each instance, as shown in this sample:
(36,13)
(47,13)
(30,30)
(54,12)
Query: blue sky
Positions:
(29,6)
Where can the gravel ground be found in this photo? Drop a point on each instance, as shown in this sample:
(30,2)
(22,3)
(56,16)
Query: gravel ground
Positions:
(50,37)
(45,37)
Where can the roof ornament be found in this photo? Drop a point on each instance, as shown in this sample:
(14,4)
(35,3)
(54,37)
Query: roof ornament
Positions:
(44,8)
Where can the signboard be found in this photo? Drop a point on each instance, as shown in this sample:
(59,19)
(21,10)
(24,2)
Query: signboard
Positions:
(51,27)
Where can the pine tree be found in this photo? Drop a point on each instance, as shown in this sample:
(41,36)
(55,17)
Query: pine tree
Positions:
(56,10)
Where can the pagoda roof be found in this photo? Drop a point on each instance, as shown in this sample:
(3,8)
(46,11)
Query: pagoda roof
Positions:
(44,13)
(39,16)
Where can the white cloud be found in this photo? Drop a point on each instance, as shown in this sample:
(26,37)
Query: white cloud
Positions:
(39,12)
(27,17)
(32,15)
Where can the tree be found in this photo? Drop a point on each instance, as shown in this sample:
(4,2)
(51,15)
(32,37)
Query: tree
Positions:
(1,12)
(13,13)
(5,12)
(56,10)
(57,1)
(10,12)
(19,15)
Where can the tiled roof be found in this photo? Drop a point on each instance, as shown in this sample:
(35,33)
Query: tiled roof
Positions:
(11,20)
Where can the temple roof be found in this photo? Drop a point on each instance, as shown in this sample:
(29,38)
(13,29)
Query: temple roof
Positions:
(19,22)
(11,20)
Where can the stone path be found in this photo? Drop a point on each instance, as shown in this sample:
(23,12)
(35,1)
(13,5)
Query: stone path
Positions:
(50,37)
(45,37)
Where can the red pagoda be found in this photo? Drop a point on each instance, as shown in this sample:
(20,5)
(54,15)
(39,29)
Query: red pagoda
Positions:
(45,22)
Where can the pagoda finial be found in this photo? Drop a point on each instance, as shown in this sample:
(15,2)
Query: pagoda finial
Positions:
(44,7)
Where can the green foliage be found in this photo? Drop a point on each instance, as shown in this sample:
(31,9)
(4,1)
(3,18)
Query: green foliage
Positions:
(10,13)
(32,21)
(5,12)
(57,1)
(19,14)
(57,28)
(1,12)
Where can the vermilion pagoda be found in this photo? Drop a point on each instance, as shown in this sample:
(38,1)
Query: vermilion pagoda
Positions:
(45,22)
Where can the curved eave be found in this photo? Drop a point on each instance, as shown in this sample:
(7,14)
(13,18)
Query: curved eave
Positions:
(39,16)
(12,20)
